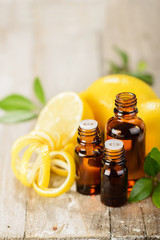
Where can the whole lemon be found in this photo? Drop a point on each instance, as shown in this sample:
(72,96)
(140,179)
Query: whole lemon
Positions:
(101,94)
(149,111)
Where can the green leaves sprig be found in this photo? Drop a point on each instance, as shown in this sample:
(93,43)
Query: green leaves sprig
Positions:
(18,108)
(38,90)
(149,185)
(140,71)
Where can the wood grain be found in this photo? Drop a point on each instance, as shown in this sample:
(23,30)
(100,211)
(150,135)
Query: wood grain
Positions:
(67,43)
(95,216)
(127,222)
(12,193)
(151,216)
(54,217)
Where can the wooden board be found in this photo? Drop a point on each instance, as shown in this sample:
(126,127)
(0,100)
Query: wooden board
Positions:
(68,43)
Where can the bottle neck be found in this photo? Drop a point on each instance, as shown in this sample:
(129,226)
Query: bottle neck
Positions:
(89,136)
(126,105)
(114,156)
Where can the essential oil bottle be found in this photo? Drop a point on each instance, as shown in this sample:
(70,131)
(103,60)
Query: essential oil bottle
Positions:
(114,174)
(88,158)
(129,128)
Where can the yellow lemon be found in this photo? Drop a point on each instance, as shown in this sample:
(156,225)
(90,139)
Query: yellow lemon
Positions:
(70,169)
(69,148)
(59,166)
(26,170)
(62,115)
(101,94)
(149,111)
(37,173)
(17,147)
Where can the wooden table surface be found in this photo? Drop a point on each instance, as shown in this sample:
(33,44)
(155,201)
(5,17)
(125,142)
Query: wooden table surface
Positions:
(67,44)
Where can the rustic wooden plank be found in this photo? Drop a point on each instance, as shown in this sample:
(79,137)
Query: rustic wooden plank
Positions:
(127,222)
(15,60)
(60,41)
(151,216)
(54,217)
(12,194)
(68,216)
(95,216)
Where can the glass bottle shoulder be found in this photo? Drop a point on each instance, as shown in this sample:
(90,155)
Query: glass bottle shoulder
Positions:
(89,150)
(125,128)
(112,169)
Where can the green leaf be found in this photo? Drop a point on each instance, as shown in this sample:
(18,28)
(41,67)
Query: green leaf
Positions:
(16,102)
(151,167)
(146,77)
(39,92)
(141,66)
(156,196)
(152,162)
(122,54)
(18,116)
(155,154)
(114,68)
(141,190)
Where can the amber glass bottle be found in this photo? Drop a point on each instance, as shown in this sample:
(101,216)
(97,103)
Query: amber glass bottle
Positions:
(129,128)
(114,174)
(88,158)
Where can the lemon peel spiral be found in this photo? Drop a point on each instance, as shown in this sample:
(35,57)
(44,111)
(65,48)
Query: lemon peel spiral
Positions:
(36,172)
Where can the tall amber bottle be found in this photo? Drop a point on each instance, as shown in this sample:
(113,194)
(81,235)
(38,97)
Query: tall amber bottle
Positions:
(88,158)
(129,128)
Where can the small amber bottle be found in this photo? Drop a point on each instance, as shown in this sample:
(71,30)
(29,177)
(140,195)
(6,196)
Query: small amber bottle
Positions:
(114,174)
(129,128)
(88,158)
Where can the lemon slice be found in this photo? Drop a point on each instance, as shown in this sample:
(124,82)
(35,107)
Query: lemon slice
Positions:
(53,192)
(62,115)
